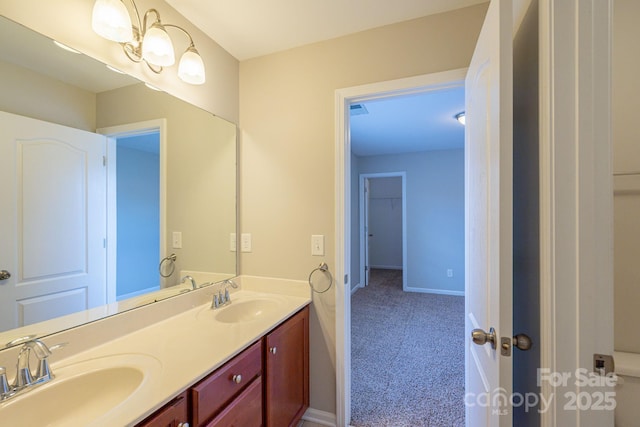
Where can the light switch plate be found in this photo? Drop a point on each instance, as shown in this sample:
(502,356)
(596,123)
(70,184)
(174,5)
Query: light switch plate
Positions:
(177,240)
(245,242)
(317,245)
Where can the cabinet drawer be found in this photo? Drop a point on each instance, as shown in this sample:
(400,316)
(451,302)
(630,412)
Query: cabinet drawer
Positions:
(174,413)
(210,395)
(245,411)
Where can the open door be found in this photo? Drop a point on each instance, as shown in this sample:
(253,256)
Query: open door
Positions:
(367,234)
(488,222)
(53,224)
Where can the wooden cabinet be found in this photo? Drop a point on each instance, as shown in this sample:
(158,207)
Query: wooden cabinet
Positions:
(173,414)
(226,386)
(267,384)
(287,371)
(244,411)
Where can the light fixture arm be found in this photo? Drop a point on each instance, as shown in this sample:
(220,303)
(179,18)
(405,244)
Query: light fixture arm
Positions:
(138,45)
(191,44)
(146,15)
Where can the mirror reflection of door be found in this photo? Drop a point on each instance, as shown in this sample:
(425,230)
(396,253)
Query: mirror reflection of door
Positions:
(138,214)
(53,192)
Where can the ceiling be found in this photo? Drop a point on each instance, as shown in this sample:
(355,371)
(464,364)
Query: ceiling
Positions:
(408,124)
(251,28)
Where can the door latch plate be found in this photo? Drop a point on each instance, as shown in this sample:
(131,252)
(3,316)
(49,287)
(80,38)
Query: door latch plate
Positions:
(505,346)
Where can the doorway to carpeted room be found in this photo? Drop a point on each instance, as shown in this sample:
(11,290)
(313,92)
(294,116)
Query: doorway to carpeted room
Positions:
(407,356)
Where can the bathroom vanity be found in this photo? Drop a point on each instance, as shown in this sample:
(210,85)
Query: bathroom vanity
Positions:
(267,384)
(179,361)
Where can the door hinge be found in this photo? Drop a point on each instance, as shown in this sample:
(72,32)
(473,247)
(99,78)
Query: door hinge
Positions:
(346,279)
(104,243)
(104,161)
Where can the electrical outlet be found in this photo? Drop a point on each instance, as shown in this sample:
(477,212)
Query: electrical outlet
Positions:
(449,272)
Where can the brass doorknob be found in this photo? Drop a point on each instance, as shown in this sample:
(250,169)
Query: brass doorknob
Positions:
(480,337)
(522,342)
(4,275)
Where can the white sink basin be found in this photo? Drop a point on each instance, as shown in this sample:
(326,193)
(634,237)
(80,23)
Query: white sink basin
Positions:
(245,307)
(246,311)
(81,393)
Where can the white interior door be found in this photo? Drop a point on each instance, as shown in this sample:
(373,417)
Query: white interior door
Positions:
(367,234)
(488,220)
(53,220)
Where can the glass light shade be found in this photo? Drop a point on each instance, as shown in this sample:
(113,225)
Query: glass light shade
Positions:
(111,20)
(191,67)
(461,118)
(157,48)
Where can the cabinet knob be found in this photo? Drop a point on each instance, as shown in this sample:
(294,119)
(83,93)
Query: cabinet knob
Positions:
(237,379)
(273,350)
(183,425)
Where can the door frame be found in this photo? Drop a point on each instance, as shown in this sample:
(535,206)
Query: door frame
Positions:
(131,129)
(576,198)
(343,99)
(361,222)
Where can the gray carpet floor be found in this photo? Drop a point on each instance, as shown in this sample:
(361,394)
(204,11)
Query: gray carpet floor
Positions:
(407,356)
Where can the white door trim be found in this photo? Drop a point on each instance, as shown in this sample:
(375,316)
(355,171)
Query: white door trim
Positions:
(345,97)
(363,232)
(576,198)
(131,129)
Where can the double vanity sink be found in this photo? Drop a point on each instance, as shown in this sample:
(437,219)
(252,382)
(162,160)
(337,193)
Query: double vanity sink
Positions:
(123,380)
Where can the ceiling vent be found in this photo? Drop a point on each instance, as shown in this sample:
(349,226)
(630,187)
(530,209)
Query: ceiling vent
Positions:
(358,109)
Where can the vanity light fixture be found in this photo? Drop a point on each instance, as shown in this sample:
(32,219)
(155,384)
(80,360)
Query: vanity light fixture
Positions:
(148,43)
(460,117)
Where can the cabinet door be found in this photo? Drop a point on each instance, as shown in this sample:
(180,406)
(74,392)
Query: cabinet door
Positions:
(287,371)
(175,414)
(244,411)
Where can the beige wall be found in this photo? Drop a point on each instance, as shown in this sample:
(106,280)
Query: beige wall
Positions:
(287,148)
(23,92)
(201,174)
(69,21)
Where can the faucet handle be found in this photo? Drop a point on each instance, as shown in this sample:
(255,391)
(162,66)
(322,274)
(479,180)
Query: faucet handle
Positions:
(44,371)
(216,301)
(4,384)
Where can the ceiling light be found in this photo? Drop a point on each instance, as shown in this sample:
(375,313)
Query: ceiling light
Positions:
(460,117)
(191,67)
(111,20)
(150,44)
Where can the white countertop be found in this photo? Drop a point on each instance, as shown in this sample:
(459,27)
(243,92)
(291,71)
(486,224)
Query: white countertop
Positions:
(187,347)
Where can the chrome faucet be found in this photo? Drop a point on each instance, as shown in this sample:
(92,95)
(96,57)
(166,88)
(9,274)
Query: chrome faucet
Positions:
(25,379)
(193,282)
(222,297)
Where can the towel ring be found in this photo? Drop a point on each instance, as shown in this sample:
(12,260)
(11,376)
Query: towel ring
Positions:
(323,267)
(171,258)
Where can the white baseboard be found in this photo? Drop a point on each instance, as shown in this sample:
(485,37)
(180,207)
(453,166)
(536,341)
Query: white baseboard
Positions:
(356,287)
(320,417)
(387,267)
(434,291)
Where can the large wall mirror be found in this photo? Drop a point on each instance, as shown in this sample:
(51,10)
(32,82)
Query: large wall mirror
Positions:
(102,179)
